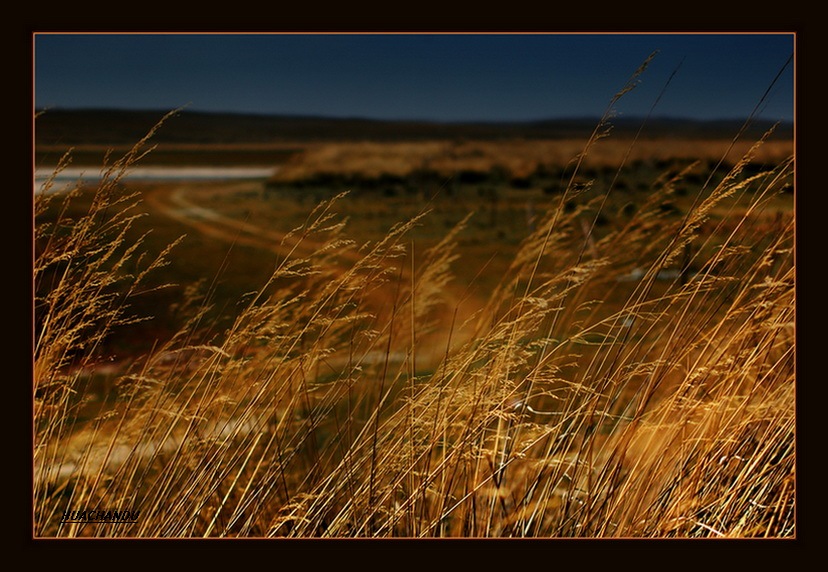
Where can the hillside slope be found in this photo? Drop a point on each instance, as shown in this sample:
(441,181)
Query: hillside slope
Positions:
(115,127)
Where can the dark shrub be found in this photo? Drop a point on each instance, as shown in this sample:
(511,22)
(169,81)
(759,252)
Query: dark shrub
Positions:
(521,182)
(467,176)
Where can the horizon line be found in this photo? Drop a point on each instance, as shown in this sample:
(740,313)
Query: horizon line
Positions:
(335,117)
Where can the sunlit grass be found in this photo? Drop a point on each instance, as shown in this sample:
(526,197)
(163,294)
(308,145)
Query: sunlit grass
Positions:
(636,381)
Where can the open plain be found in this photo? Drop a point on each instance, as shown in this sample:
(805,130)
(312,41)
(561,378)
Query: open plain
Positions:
(446,336)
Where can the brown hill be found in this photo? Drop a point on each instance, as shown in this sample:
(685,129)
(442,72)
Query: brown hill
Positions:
(69,127)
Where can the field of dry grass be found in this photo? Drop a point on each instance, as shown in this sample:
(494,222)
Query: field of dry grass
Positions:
(519,158)
(565,366)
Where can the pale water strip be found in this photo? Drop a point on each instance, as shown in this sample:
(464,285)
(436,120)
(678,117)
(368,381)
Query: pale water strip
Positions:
(71,175)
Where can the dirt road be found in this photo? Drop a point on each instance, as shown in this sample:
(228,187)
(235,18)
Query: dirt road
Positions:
(175,202)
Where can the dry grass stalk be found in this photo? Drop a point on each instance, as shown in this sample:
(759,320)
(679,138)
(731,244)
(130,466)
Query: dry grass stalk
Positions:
(671,414)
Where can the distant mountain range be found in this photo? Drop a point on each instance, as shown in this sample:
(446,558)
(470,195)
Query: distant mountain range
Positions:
(118,127)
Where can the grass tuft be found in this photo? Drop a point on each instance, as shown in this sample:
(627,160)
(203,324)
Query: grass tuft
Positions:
(633,382)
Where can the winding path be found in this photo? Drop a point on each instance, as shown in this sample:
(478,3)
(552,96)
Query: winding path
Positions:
(172,201)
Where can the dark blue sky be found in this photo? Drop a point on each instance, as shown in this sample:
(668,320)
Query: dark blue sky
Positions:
(452,77)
